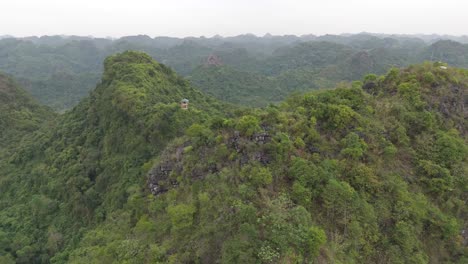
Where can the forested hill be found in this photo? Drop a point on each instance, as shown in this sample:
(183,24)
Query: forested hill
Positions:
(373,172)
(66,178)
(20,114)
(60,71)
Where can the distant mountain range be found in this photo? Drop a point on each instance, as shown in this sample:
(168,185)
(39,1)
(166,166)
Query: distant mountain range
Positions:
(429,38)
(60,70)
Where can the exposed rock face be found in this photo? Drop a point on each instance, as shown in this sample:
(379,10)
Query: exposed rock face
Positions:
(250,149)
(464,235)
(370,88)
(156,176)
(213,60)
(452,104)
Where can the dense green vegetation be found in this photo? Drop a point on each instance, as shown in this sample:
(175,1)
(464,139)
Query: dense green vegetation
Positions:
(59,71)
(369,172)
(243,88)
(57,75)
(63,178)
(19,113)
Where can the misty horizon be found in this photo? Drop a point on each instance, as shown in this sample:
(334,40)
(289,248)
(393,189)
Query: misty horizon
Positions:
(183,18)
(247,34)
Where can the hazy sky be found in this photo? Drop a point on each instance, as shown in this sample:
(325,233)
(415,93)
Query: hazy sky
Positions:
(230,17)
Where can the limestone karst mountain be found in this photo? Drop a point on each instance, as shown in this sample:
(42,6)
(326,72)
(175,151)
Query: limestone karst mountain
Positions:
(368,172)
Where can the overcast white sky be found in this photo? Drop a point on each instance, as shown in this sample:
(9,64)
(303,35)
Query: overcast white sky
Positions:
(181,18)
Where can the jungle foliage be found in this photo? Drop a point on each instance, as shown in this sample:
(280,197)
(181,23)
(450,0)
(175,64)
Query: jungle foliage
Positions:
(369,172)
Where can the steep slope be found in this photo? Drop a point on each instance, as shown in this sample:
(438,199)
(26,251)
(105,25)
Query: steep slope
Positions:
(372,173)
(77,173)
(20,117)
(19,113)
